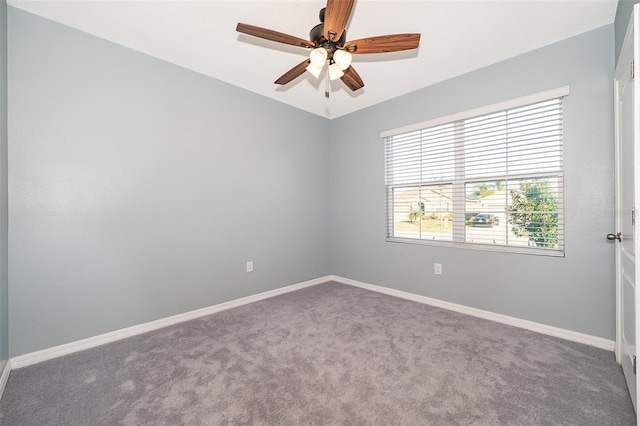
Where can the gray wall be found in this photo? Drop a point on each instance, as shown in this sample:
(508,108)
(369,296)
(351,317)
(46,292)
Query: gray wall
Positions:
(4,309)
(138,189)
(576,292)
(623,15)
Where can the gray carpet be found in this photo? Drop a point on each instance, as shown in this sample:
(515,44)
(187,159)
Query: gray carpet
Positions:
(328,354)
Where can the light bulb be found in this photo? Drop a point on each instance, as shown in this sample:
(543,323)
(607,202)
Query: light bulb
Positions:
(342,58)
(315,70)
(335,72)
(318,56)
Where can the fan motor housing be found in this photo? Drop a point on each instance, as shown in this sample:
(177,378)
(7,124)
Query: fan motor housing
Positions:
(316,35)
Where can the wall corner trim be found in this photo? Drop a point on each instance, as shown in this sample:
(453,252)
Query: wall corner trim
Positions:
(4,377)
(91,342)
(562,333)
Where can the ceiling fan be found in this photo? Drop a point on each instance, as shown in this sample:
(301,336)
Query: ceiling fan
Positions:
(328,43)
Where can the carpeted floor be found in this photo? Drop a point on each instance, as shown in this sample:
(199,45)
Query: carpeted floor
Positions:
(328,354)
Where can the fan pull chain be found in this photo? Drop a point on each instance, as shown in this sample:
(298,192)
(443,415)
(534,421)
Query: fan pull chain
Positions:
(326,84)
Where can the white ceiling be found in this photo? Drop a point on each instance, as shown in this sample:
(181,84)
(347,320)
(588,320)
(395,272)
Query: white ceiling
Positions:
(457,37)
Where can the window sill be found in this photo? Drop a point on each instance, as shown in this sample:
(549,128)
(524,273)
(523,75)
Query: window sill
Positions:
(483,247)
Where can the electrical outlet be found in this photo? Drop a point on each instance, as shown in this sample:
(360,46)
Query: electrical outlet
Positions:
(437,268)
(250,266)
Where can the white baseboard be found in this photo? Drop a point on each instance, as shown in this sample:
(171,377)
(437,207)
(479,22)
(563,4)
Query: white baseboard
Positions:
(91,342)
(4,377)
(562,333)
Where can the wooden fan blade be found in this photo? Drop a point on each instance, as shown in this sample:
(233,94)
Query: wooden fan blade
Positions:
(352,79)
(336,16)
(273,35)
(293,72)
(385,43)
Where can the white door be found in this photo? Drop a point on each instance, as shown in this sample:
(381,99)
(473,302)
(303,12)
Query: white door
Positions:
(627,195)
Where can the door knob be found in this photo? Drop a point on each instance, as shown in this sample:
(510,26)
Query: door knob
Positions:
(612,237)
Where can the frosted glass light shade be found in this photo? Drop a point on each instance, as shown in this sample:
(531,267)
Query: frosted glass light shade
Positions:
(342,58)
(335,72)
(318,56)
(315,70)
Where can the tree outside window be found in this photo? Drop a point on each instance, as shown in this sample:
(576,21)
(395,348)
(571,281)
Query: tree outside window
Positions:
(533,213)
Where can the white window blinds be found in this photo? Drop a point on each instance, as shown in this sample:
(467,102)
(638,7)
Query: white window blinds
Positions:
(487,178)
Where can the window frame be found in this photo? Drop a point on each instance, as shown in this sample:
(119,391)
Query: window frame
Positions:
(458,182)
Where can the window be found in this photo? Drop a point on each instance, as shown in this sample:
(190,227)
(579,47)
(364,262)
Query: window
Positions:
(489,178)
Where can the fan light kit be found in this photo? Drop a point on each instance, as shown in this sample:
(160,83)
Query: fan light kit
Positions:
(327,47)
